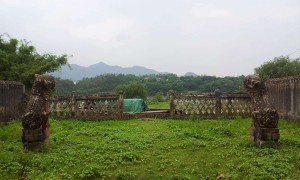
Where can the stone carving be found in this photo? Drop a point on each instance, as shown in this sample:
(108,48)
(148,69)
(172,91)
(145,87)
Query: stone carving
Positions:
(264,116)
(36,119)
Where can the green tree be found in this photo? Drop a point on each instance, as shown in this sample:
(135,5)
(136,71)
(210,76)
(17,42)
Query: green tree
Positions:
(158,97)
(64,86)
(279,67)
(134,89)
(19,61)
(159,83)
(102,83)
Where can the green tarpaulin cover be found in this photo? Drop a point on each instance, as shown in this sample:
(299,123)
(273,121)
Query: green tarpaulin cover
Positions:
(135,105)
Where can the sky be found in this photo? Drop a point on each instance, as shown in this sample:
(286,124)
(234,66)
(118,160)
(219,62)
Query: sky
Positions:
(207,37)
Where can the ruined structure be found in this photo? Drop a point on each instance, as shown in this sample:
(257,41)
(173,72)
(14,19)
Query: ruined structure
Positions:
(12,100)
(264,116)
(284,95)
(36,119)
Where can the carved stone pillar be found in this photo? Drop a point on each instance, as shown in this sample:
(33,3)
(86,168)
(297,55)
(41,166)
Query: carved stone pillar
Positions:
(36,126)
(172,105)
(218,94)
(264,127)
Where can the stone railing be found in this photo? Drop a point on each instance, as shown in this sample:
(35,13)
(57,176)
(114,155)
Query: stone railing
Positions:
(205,105)
(210,105)
(104,106)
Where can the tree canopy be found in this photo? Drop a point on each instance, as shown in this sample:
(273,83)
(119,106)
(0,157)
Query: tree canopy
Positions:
(134,89)
(153,84)
(19,61)
(279,67)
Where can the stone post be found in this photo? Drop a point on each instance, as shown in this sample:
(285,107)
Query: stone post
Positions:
(218,102)
(35,122)
(292,88)
(172,105)
(121,104)
(73,104)
(264,128)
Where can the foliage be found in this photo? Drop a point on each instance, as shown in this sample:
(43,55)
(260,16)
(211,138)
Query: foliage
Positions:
(159,83)
(150,149)
(134,89)
(158,97)
(102,83)
(279,67)
(158,105)
(158,101)
(64,86)
(19,61)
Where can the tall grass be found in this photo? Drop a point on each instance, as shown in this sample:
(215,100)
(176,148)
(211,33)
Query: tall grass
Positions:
(156,104)
(150,149)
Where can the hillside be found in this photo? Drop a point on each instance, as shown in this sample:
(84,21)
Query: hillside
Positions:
(78,72)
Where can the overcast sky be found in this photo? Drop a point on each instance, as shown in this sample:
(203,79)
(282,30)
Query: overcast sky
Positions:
(211,37)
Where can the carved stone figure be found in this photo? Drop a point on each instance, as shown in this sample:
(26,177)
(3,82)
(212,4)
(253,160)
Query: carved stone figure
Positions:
(36,119)
(264,116)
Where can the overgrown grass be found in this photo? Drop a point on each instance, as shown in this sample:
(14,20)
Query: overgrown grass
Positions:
(150,149)
(156,104)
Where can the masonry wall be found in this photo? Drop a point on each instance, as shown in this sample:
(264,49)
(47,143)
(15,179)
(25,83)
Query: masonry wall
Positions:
(284,94)
(12,100)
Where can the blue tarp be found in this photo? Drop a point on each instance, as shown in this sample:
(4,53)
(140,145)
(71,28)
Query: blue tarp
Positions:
(135,105)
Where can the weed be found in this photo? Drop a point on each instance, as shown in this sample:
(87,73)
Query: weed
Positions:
(156,149)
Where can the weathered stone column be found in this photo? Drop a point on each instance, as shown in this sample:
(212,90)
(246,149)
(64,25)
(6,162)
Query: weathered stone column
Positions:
(36,126)
(121,104)
(218,94)
(172,105)
(73,105)
(264,116)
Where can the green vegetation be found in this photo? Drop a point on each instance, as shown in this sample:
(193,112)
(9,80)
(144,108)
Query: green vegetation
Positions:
(158,101)
(150,149)
(279,67)
(134,89)
(154,84)
(156,104)
(19,61)
(103,83)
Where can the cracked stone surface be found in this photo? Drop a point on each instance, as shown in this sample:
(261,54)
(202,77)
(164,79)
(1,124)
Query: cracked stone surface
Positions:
(264,127)
(36,119)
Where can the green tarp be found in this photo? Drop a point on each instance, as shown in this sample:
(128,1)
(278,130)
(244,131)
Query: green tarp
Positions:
(135,105)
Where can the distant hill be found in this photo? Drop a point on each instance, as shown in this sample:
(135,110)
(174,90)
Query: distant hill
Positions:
(190,74)
(78,72)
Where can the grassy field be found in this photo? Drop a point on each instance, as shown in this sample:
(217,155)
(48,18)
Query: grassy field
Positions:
(151,149)
(155,104)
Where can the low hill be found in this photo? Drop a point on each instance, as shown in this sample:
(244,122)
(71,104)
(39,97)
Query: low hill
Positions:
(78,72)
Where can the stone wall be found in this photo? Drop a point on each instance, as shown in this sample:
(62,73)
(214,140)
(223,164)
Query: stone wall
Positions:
(97,106)
(284,94)
(210,105)
(12,100)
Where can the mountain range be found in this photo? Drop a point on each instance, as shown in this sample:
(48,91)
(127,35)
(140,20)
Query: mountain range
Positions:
(76,72)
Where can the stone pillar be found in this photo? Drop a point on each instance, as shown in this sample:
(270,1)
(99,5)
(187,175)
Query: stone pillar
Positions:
(292,88)
(172,105)
(264,127)
(73,104)
(121,105)
(35,122)
(218,94)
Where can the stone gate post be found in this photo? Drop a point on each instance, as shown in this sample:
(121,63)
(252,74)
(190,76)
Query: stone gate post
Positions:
(172,105)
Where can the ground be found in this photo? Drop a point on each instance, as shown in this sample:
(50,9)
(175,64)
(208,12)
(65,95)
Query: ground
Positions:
(151,149)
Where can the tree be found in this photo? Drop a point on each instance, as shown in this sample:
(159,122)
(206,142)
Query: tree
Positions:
(134,89)
(64,86)
(279,67)
(102,83)
(19,61)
